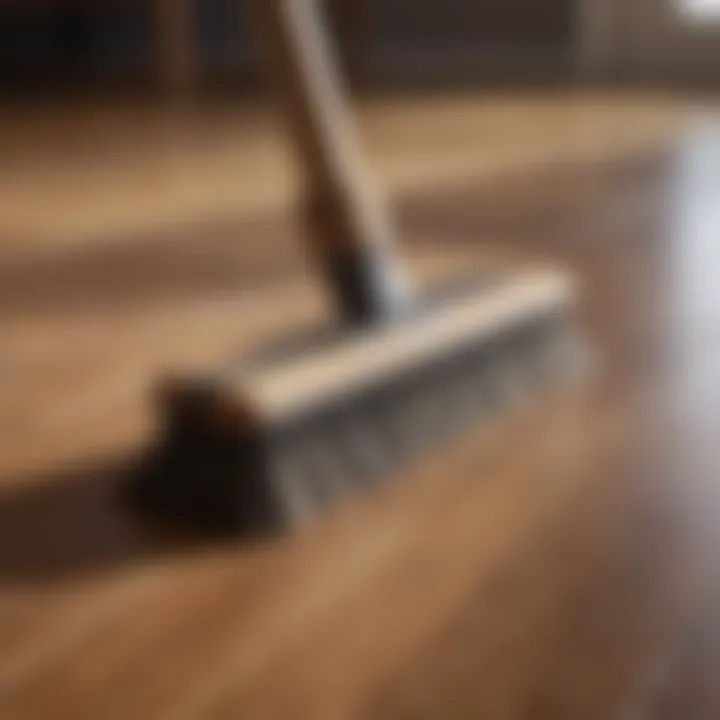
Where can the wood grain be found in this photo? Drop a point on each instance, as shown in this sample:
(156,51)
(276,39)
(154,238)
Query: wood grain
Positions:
(560,565)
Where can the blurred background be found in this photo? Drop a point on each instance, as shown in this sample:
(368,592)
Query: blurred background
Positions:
(178,46)
(174,46)
(562,566)
(129,46)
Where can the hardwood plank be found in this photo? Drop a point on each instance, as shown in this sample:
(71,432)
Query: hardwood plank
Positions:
(560,565)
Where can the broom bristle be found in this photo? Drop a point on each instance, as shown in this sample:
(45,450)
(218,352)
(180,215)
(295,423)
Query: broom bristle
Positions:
(269,446)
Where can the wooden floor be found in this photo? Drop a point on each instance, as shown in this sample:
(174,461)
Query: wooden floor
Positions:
(561,564)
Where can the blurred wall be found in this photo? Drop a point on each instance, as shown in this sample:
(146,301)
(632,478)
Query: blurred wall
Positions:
(662,41)
(646,41)
(81,41)
(448,39)
(400,40)
(506,23)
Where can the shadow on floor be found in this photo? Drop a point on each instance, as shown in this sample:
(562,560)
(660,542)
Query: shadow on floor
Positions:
(77,523)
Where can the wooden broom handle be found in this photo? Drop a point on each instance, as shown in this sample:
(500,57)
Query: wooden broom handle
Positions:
(351,233)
